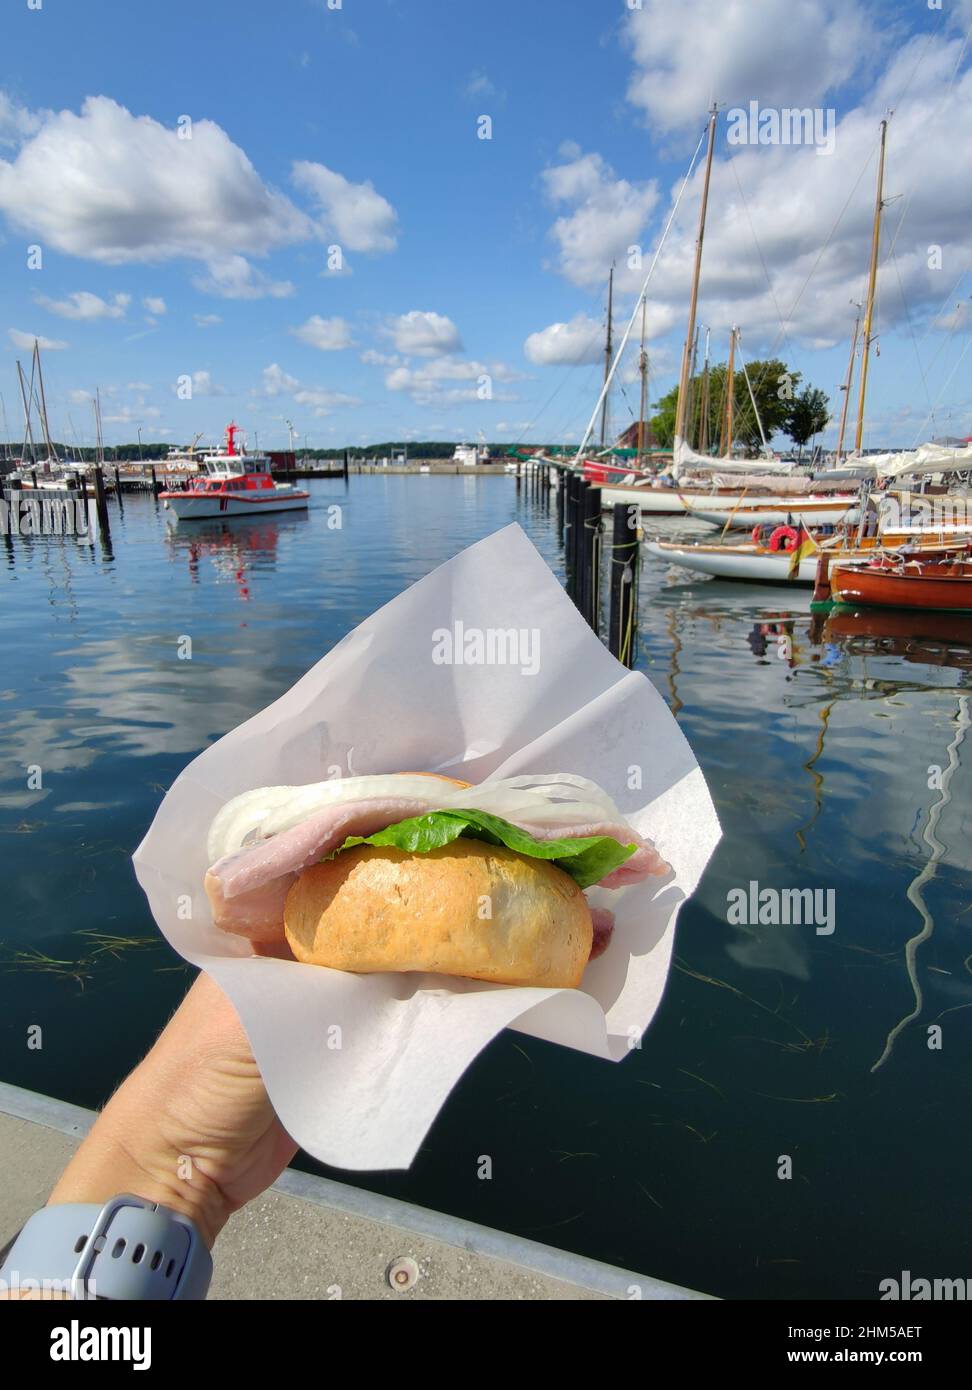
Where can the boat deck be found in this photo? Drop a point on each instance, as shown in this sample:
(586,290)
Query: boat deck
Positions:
(310,1237)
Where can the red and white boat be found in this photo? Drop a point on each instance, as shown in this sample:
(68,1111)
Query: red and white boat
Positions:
(233,483)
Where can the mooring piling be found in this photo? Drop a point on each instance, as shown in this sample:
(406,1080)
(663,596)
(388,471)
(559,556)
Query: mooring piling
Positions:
(625,565)
(591,555)
(101,500)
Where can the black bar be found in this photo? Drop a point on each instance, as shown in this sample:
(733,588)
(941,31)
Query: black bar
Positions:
(591,537)
(625,564)
(101,500)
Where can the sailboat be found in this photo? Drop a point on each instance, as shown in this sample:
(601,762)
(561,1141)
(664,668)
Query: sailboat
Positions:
(723,483)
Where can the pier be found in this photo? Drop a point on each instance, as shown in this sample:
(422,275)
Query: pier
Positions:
(312,1238)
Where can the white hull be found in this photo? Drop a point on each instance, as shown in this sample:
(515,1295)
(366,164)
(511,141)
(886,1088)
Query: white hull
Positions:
(654,501)
(745,518)
(220,505)
(737,562)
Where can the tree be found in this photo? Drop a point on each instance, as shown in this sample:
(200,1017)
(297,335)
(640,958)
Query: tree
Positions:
(809,413)
(774,386)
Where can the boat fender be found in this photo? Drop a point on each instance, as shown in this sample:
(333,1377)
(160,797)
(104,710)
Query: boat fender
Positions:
(784,538)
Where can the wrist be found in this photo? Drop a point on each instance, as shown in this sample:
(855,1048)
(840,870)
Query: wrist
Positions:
(110,1161)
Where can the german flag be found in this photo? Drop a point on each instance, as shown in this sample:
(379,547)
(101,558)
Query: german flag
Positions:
(806,545)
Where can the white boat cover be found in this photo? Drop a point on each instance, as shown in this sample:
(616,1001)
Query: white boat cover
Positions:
(928,458)
(685,459)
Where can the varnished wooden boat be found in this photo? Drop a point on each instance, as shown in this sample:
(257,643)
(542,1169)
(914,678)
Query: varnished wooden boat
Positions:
(943,585)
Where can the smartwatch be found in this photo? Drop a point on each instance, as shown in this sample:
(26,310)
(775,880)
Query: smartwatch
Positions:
(129,1248)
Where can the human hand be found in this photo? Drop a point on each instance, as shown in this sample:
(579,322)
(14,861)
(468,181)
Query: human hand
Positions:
(191,1127)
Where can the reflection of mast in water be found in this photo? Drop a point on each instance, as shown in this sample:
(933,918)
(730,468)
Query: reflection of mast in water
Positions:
(915,893)
(816,777)
(675,704)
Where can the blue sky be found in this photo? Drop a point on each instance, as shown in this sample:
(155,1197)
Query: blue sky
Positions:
(356,127)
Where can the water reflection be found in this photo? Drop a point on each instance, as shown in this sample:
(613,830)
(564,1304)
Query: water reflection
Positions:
(233,546)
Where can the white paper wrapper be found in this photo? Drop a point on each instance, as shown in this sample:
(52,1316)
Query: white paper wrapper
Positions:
(378,703)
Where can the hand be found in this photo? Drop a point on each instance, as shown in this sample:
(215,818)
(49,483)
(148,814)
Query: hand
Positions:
(192,1126)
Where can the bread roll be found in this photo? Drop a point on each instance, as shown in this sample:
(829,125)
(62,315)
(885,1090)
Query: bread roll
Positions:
(374,908)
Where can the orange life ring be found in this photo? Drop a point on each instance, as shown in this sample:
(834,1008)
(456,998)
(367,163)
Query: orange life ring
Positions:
(784,538)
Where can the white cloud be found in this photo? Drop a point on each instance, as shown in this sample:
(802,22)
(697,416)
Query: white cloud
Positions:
(109,186)
(480,85)
(322,401)
(780,52)
(328,335)
(430,382)
(127,415)
(355,214)
(957,318)
(83,305)
(140,386)
(233,277)
(580,341)
(25,341)
(16,122)
(203,385)
(207,320)
(154,305)
(423,333)
(606,216)
(371,358)
(788,232)
(276,381)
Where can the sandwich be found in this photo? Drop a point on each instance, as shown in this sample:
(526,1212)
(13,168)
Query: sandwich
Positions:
(420,872)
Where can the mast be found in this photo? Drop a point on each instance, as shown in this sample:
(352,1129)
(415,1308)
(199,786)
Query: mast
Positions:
(608,353)
(871,287)
(847,384)
(725,442)
(100,447)
(643,368)
(690,413)
(51,451)
(683,384)
(6,431)
(28,433)
(704,407)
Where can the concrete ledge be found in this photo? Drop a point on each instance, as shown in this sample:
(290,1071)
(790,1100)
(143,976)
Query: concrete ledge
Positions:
(313,1238)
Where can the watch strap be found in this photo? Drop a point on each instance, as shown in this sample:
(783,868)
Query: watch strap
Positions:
(129,1248)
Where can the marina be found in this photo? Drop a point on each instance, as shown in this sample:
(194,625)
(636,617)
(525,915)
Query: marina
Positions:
(767,1035)
(486,703)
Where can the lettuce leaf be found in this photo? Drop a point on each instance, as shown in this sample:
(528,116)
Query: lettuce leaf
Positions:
(586,860)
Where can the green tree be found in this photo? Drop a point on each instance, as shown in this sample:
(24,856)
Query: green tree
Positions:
(809,413)
(774,386)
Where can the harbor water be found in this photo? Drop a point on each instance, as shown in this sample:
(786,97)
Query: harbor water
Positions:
(776,1134)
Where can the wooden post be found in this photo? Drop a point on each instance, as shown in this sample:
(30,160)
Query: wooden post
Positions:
(625,558)
(591,556)
(155,486)
(346,465)
(519,469)
(101,500)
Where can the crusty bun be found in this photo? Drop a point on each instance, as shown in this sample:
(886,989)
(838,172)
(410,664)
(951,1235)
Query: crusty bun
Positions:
(375,908)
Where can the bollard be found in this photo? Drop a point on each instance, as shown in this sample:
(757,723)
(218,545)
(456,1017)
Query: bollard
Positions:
(591,557)
(101,500)
(625,565)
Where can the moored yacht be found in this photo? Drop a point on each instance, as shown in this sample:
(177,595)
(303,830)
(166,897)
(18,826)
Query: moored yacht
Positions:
(233,482)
